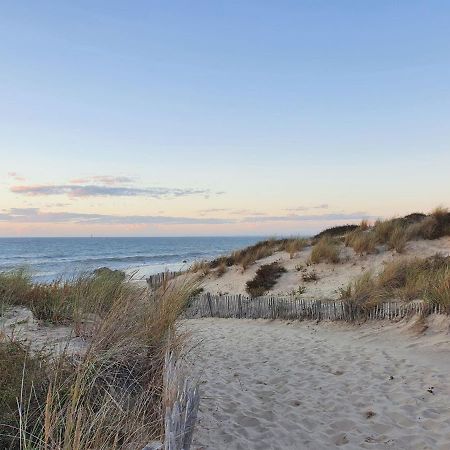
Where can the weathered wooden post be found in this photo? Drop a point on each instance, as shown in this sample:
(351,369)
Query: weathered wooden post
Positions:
(208,299)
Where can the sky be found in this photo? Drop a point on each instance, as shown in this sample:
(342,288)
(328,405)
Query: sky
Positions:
(156,118)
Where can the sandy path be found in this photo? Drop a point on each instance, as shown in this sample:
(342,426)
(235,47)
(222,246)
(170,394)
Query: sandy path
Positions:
(273,385)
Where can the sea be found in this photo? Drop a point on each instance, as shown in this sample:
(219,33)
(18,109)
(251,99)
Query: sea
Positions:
(49,259)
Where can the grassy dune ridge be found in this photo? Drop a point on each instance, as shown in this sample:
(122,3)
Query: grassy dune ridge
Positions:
(388,237)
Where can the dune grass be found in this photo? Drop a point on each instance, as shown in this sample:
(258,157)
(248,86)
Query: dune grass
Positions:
(246,257)
(265,278)
(107,397)
(62,301)
(326,250)
(425,279)
(339,231)
(396,232)
(293,246)
(363,241)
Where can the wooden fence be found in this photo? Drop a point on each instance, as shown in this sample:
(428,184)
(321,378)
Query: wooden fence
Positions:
(156,280)
(181,399)
(292,308)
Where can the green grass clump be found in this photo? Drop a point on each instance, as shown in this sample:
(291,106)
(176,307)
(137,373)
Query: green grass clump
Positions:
(265,278)
(30,391)
(63,301)
(14,286)
(326,250)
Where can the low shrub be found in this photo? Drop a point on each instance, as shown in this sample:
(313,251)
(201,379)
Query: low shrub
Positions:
(265,278)
(338,231)
(326,250)
(310,276)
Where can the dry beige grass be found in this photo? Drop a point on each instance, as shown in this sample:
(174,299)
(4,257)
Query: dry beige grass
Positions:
(110,397)
(326,250)
(295,245)
(398,238)
(362,242)
(407,279)
(383,230)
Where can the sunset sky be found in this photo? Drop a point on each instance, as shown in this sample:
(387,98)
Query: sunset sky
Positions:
(150,118)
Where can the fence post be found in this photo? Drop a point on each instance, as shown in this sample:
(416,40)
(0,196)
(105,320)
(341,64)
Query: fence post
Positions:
(208,298)
(239,306)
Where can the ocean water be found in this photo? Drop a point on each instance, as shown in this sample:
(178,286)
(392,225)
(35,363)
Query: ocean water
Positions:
(52,258)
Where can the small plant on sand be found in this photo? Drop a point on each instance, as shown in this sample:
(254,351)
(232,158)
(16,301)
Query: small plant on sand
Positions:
(310,276)
(298,292)
(201,267)
(221,269)
(326,250)
(265,278)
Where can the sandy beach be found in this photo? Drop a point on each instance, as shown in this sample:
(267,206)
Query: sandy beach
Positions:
(281,385)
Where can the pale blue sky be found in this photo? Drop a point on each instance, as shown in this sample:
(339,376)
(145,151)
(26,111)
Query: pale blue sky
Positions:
(263,106)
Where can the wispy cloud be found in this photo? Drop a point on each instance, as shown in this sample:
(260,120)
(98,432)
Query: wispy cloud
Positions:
(307,208)
(103,179)
(203,212)
(35,215)
(248,212)
(309,217)
(94,190)
(16,176)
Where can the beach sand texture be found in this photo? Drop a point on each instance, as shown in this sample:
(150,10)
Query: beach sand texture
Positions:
(280,385)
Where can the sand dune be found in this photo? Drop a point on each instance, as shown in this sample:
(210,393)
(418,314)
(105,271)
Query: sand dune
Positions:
(331,277)
(275,385)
